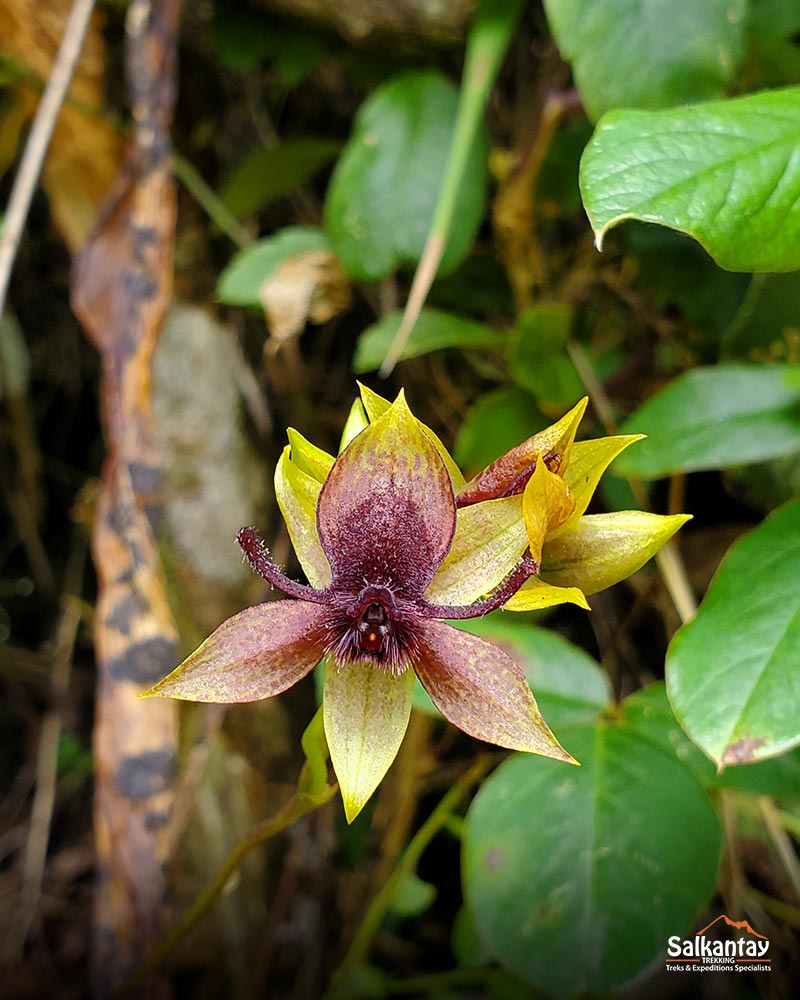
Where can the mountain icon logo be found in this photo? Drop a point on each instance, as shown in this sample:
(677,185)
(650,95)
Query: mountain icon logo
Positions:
(707,951)
(738,925)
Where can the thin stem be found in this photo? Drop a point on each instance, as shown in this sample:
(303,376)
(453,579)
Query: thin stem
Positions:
(213,206)
(39,139)
(488,40)
(523,571)
(775,907)
(376,911)
(780,841)
(312,792)
(255,552)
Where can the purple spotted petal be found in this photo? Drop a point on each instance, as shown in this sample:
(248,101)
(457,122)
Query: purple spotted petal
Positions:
(253,655)
(480,689)
(386,512)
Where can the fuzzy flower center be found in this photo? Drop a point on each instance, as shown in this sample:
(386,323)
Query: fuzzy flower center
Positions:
(375,626)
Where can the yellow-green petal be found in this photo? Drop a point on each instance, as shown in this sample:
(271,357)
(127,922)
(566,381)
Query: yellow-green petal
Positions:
(308,457)
(536,595)
(546,504)
(365,711)
(512,468)
(375,406)
(602,549)
(356,422)
(489,541)
(588,461)
(297,493)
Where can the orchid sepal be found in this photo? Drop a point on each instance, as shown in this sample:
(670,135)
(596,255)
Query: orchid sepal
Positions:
(602,549)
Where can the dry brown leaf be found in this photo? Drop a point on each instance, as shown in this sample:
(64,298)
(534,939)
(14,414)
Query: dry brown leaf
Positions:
(85,151)
(309,286)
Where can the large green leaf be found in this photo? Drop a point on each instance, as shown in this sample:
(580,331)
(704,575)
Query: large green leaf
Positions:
(434,330)
(384,188)
(727,173)
(626,53)
(713,418)
(241,280)
(649,713)
(275,171)
(577,876)
(732,672)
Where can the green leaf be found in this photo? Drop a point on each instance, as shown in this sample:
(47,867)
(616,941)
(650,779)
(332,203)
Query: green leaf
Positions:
(537,359)
(577,876)
(648,712)
(626,53)
(726,173)
(732,672)
(241,280)
(384,188)
(434,331)
(569,685)
(412,896)
(713,418)
(495,423)
(273,172)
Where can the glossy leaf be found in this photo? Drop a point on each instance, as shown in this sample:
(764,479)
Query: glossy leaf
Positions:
(614,856)
(366,712)
(275,171)
(732,672)
(712,418)
(433,331)
(648,711)
(726,173)
(625,53)
(384,188)
(602,549)
(240,282)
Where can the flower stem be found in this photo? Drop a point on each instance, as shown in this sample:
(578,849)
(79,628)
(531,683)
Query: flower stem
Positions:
(312,792)
(376,911)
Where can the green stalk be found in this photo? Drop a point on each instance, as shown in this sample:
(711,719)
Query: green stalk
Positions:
(486,45)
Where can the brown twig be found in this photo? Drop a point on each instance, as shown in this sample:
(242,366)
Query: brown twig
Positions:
(39,139)
(47,761)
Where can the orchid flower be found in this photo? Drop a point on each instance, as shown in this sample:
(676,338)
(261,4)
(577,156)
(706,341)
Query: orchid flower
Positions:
(387,556)
(577,553)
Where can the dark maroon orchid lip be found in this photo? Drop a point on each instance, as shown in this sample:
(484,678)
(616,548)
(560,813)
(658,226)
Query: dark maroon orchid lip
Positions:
(378,623)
